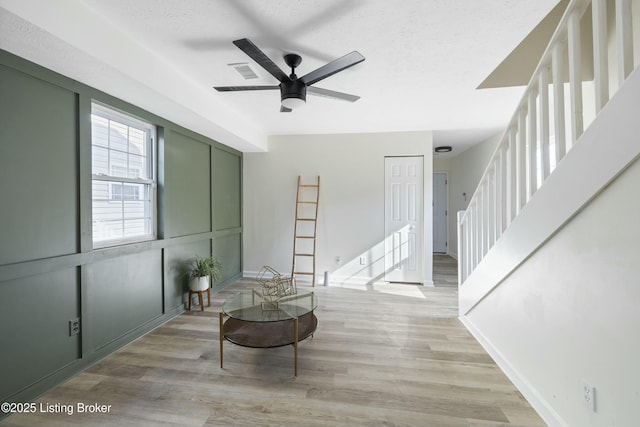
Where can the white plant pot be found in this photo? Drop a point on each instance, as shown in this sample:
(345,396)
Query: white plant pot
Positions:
(199,283)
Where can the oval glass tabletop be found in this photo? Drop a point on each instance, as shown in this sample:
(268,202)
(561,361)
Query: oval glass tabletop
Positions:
(249,306)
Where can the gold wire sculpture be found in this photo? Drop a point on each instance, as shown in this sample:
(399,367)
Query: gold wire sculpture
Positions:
(274,286)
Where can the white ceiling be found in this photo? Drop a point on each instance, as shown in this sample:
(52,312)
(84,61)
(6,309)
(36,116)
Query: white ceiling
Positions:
(424,60)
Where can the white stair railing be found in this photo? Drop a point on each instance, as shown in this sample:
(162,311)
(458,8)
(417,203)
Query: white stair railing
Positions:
(560,101)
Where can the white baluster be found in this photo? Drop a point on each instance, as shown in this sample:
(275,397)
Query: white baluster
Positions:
(462,259)
(575,75)
(513,176)
(532,158)
(503,192)
(600,53)
(467,246)
(543,121)
(624,39)
(477,213)
(522,160)
(485,218)
(557,70)
(491,206)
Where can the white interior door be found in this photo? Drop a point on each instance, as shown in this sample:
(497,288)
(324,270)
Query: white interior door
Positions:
(403,220)
(440,212)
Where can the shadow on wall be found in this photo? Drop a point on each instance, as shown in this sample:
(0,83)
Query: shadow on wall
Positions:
(372,265)
(182,268)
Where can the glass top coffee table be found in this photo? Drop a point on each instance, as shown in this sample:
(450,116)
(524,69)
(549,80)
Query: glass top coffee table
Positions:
(254,323)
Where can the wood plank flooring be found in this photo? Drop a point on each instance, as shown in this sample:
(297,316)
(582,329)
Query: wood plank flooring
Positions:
(383,355)
(445,270)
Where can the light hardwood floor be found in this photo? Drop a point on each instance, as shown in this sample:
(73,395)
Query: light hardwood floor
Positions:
(383,355)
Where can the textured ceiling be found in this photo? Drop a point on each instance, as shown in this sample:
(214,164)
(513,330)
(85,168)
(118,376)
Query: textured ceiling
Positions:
(424,60)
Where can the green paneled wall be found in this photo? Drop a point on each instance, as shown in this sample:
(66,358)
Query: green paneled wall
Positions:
(227,189)
(188,185)
(34,327)
(126,293)
(178,260)
(38,135)
(229,249)
(49,273)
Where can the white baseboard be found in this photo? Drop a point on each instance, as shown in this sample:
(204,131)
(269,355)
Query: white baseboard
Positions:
(251,274)
(539,404)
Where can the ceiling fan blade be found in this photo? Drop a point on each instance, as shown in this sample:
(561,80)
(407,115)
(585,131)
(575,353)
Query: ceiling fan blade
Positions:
(237,88)
(326,93)
(344,62)
(263,60)
(284,109)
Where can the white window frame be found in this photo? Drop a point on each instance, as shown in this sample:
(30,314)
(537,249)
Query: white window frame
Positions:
(103,111)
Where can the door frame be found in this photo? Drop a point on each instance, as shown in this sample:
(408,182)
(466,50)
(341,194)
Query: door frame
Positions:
(446,195)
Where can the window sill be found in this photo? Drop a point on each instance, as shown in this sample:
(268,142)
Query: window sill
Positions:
(123,242)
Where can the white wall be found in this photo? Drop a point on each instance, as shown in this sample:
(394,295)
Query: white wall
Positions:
(570,312)
(466,169)
(351,215)
(440,164)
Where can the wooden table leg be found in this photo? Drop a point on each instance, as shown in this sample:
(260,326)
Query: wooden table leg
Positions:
(208,297)
(200,301)
(221,338)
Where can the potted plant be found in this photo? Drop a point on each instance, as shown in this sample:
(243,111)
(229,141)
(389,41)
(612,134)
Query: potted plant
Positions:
(202,270)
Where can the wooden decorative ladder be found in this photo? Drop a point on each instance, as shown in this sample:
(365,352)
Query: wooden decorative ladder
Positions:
(304,231)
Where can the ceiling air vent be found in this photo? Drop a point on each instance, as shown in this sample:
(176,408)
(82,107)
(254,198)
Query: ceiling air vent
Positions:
(244,70)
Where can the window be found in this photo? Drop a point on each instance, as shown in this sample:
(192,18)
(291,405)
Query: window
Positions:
(125,192)
(123,186)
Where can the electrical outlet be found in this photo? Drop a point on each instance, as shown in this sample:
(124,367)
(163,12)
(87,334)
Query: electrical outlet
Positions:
(74,326)
(338,260)
(363,260)
(589,396)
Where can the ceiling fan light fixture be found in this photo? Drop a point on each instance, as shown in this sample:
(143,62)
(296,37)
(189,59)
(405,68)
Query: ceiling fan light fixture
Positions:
(443,149)
(293,102)
(293,94)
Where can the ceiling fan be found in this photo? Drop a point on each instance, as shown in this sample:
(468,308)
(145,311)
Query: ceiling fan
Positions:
(294,89)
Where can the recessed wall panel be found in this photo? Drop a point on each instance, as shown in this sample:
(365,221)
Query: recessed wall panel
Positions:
(38,169)
(178,262)
(187,185)
(226,189)
(34,326)
(126,292)
(229,249)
